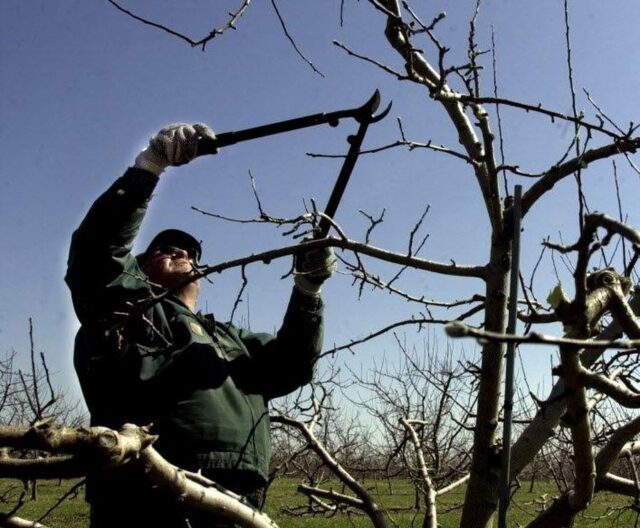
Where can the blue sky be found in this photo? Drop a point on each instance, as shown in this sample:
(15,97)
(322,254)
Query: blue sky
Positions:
(84,86)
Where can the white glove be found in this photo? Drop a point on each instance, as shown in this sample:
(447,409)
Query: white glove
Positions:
(174,145)
(312,268)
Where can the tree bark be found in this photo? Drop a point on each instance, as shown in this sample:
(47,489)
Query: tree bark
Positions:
(559,514)
(481,500)
(548,417)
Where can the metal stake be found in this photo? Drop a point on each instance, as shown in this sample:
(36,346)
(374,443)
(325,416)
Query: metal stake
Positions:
(505,470)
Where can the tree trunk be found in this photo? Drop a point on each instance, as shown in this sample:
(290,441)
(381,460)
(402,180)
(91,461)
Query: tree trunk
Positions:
(481,501)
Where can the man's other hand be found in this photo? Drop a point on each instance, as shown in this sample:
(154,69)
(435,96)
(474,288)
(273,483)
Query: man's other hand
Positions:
(312,268)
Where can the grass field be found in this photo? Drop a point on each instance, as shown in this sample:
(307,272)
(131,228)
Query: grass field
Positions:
(606,511)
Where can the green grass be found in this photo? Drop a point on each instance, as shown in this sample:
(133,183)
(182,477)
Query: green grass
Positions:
(73,512)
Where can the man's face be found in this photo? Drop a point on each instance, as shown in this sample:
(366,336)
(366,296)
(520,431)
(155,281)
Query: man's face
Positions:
(168,266)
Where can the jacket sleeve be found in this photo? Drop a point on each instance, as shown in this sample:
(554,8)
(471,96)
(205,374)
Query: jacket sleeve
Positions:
(101,273)
(281,364)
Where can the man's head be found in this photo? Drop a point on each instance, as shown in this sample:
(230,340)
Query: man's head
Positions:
(170,257)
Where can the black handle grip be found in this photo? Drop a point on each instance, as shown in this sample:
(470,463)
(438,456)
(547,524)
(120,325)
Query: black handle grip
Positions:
(361,114)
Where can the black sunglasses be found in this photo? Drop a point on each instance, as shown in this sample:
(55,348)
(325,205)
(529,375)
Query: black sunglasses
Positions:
(171,251)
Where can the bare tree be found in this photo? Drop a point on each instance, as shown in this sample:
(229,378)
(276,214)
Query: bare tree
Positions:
(466,110)
(325,446)
(29,398)
(29,395)
(424,407)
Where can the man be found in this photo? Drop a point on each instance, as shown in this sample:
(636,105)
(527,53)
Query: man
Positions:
(203,385)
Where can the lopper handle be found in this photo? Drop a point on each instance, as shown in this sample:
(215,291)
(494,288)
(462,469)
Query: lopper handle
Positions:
(361,114)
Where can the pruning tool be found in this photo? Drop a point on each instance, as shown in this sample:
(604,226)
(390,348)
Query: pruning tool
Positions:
(364,115)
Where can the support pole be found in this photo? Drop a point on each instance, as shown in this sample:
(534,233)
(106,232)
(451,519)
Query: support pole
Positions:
(508,378)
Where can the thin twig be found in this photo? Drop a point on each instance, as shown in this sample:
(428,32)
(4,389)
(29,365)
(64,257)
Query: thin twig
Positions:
(290,39)
(231,24)
(239,296)
(495,95)
(34,373)
(578,173)
(553,114)
(620,216)
(397,75)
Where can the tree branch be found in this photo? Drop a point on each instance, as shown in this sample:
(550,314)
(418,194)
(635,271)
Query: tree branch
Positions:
(559,172)
(458,329)
(231,24)
(98,447)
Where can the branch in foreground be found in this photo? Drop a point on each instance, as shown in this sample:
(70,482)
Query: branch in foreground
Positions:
(358,247)
(99,447)
(200,493)
(109,446)
(61,467)
(458,329)
(371,251)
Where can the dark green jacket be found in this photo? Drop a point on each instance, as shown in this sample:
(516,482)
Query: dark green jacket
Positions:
(204,385)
